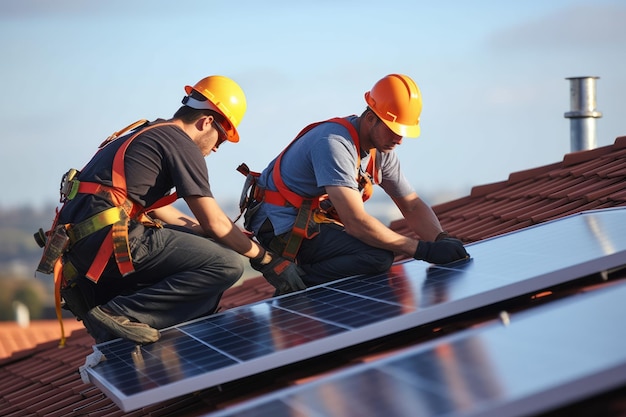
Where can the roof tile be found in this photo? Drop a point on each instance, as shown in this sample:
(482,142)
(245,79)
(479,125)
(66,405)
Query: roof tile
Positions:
(609,187)
(531,173)
(481,190)
(580,157)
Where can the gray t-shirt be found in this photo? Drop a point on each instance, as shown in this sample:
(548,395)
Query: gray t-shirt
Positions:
(324,156)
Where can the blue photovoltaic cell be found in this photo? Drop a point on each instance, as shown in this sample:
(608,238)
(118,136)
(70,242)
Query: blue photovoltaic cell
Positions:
(276,332)
(546,358)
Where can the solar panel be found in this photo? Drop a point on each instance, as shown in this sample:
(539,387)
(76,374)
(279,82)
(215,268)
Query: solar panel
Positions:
(254,338)
(546,358)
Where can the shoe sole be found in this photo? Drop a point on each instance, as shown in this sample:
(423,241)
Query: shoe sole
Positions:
(124,328)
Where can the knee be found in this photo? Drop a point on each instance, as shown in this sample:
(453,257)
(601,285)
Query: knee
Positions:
(233,267)
(380,260)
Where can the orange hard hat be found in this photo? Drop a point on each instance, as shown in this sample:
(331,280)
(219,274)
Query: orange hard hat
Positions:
(224,96)
(397,101)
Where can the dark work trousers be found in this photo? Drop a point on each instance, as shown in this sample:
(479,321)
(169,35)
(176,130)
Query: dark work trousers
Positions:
(178,276)
(334,254)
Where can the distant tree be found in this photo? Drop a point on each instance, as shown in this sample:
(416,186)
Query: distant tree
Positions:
(7,289)
(28,291)
(30,295)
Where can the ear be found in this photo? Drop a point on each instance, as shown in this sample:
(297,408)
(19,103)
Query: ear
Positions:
(204,122)
(371,117)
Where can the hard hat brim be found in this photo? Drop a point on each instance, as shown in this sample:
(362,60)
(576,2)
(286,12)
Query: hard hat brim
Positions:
(404,130)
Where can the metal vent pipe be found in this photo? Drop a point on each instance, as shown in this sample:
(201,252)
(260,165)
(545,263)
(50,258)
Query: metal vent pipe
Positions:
(583,113)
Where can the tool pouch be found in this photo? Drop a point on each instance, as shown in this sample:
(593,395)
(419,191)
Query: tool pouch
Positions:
(75,301)
(56,244)
(79,299)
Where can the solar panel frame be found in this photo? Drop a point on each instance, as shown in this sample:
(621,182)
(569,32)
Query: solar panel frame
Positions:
(432,293)
(574,365)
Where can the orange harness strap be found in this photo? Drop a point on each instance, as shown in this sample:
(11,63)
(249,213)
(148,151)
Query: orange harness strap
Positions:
(58,279)
(307,207)
(285,196)
(116,241)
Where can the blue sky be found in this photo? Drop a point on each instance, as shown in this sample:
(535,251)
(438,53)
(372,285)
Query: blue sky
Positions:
(492,75)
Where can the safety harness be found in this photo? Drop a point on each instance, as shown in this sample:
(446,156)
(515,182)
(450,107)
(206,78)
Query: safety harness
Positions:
(311,211)
(60,238)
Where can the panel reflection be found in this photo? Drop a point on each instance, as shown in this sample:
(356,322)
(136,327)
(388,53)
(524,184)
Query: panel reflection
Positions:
(411,293)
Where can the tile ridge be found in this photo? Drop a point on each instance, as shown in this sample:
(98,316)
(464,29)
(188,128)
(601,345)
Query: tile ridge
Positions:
(574,158)
(620,142)
(525,174)
(446,206)
(482,190)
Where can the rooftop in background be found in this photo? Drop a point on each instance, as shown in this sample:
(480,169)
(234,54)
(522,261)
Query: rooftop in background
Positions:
(14,338)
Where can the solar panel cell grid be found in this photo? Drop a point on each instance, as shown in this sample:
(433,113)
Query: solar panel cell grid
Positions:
(276,332)
(544,359)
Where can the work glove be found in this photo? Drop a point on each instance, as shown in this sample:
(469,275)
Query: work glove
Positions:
(446,236)
(283,274)
(441,251)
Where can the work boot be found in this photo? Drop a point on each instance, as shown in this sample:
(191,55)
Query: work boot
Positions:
(123,327)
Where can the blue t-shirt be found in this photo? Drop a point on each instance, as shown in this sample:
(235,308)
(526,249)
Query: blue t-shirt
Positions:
(324,156)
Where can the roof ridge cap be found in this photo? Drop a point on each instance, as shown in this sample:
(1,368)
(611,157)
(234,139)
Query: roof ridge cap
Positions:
(620,142)
(577,157)
(525,174)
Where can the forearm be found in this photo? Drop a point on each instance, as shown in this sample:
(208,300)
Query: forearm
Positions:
(171,215)
(229,235)
(363,226)
(420,217)
(215,224)
(372,232)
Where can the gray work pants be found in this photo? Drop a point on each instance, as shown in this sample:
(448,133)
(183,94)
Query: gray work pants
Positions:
(334,254)
(178,276)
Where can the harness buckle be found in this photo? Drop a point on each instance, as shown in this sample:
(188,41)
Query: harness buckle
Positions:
(69,185)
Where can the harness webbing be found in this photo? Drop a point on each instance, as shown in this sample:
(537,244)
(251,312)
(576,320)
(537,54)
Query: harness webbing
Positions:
(116,241)
(299,230)
(284,195)
(308,206)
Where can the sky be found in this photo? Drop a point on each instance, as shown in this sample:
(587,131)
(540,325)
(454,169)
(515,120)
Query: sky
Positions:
(492,75)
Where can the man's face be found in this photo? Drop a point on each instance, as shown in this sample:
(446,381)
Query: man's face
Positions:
(381,137)
(212,137)
(222,136)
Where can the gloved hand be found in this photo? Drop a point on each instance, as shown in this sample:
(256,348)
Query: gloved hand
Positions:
(283,274)
(442,251)
(446,236)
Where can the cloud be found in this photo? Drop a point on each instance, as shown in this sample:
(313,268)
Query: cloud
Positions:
(575,26)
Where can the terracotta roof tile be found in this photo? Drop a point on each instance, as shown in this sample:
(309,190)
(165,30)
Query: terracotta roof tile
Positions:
(526,188)
(531,173)
(607,189)
(581,181)
(14,338)
(481,190)
(619,197)
(516,208)
(563,210)
(581,157)
(43,380)
(588,168)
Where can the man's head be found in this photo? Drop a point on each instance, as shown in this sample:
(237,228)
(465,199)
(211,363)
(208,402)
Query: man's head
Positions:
(397,101)
(219,96)
(375,134)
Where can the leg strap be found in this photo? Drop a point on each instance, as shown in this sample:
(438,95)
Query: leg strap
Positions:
(304,228)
